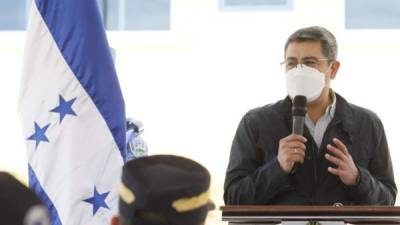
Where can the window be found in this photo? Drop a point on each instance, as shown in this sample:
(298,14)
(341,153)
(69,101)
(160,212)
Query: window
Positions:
(116,14)
(13,14)
(372,14)
(243,5)
(135,14)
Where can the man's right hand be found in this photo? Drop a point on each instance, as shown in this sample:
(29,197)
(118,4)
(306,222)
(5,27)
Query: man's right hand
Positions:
(291,150)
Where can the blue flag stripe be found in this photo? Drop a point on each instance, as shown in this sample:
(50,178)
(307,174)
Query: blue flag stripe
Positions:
(35,185)
(82,41)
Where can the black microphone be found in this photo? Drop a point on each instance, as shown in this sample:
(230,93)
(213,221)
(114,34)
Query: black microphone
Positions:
(299,110)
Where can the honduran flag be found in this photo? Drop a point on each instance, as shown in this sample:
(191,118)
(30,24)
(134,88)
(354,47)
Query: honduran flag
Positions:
(72,112)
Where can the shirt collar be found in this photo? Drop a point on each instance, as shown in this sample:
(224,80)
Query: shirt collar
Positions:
(332,107)
(330,110)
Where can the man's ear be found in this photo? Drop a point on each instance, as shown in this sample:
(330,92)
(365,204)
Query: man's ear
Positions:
(115,220)
(334,69)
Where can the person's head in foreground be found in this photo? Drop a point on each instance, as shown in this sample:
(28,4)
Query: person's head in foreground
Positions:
(163,189)
(19,205)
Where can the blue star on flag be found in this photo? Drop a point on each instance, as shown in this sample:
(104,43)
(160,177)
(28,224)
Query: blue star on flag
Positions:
(39,135)
(64,108)
(98,200)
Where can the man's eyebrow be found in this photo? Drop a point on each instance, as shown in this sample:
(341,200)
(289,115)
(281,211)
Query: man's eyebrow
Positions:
(309,57)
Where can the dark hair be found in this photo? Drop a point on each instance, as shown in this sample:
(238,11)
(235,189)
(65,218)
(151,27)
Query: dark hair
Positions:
(316,34)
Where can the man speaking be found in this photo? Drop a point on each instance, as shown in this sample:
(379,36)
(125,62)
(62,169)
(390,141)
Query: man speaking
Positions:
(341,155)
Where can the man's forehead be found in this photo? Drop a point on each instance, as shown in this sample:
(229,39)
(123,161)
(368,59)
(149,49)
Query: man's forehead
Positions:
(301,50)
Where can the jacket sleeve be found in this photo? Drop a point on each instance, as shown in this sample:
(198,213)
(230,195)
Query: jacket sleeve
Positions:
(250,180)
(376,185)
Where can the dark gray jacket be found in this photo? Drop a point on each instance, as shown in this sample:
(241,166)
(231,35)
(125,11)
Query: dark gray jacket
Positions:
(254,176)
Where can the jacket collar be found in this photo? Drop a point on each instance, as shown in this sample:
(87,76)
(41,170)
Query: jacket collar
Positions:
(343,113)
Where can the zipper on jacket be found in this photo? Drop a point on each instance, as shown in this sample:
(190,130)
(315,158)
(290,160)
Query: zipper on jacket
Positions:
(315,175)
(315,166)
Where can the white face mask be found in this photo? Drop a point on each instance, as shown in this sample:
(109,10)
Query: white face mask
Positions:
(304,80)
